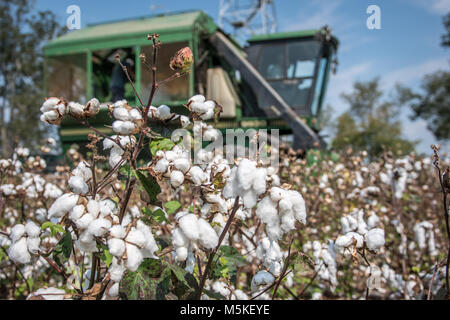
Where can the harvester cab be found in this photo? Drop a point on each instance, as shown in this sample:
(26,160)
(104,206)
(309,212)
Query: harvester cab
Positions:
(276,81)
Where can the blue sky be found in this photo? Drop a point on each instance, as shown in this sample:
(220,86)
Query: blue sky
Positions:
(403,51)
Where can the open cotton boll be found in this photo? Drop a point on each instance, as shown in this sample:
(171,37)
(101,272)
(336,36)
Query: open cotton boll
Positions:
(48,294)
(179,239)
(17,232)
(211,134)
(93,208)
(84,221)
(375,239)
(198,176)
(63,205)
(262,278)
(107,207)
(182,164)
(372,221)
(78,186)
(347,240)
(116,247)
(161,166)
(136,237)
(116,270)
(150,245)
(75,108)
(135,114)
(134,257)
(298,205)
(99,227)
(184,121)
(189,226)
(208,115)
(121,114)
(49,104)
(249,198)
(18,252)
(176,178)
(152,112)
(259,181)
(117,231)
(197,98)
(33,244)
(83,170)
(181,254)
(207,236)
(267,211)
(199,107)
(246,173)
(32,229)
(163,112)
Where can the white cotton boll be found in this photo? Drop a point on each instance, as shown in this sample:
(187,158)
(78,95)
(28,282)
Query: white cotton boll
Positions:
(262,278)
(375,239)
(33,244)
(83,170)
(48,294)
(84,221)
(76,212)
(287,222)
(372,221)
(184,121)
(117,231)
(107,207)
(93,106)
(267,211)
(116,247)
(207,236)
(276,194)
(298,205)
(108,143)
(259,182)
(18,252)
(189,226)
(179,239)
(245,173)
(93,208)
(49,104)
(208,115)
(240,295)
(86,242)
(181,254)
(211,134)
(62,205)
(113,290)
(210,104)
(285,206)
(32,229)
(163,112)
(190,263)
(135,114)
(121,114)
(176,178)
(99,227)
(198,176)
(116,270)
(161,166)
(347,240)
(349,223)
(134,257)
(150,245)
(78,186)
(76,108)
(199,107)
(249,198)
(115,156)
(182,164)
(17,232)
(196,98)
(136,237)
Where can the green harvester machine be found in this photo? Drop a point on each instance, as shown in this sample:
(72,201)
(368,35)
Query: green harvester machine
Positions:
(277,81)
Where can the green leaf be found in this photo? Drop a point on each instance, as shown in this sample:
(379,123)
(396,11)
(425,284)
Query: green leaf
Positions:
(161,144)
(61,253)
(172,206)
(150,185)
(106,256)
(213,294)
(160,216)
(228,262)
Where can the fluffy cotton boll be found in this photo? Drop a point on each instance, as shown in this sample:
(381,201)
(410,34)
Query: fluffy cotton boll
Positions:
(298,205)
(78,186)
(208,115)
(287,222)
(76,212)
(62,205)
(108,144)
(17,232)
(150,245)
(107,207)
(198,176)
(375,239)
(121,114)
(134,257)
(49,104)
(189,226)
(116,270)
(285,206)
(249,198)
(372,221)
(197,98)
(83,170)
(163,112)
(184,121)
(349,223)
(199,107)
(48,294)
(92,107)
(176,178)
(276,194)
(267,211)
(84,221)
(136,237)
(116,247)
(181,254)
(135,114)
(18,252)
(115,156)
(179,239)
(259,181)
(117,231)
(76,109)
(32,229)
(262,278)
(86,242)
(246,173)
(347,240)
(182,164)
(161,166)
(207,236)
(33,244)
(211,134)
(99,227)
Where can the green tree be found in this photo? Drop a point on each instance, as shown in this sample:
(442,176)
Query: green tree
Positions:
(370,124)
(432,103)
(23,32)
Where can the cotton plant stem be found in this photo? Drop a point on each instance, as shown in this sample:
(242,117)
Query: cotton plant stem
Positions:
(286,266)
(213,253)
